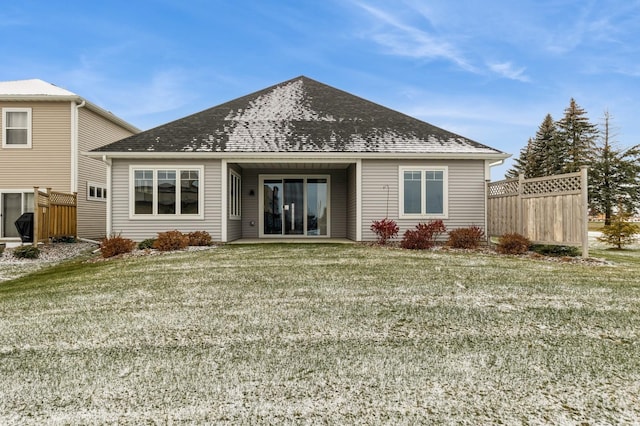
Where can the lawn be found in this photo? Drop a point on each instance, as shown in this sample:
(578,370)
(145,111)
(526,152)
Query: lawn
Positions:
(332,334)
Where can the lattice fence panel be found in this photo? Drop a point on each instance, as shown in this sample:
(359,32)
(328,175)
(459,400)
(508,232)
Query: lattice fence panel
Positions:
(503,188)
(553,185)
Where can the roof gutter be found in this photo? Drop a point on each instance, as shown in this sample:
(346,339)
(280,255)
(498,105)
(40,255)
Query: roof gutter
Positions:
(310,157)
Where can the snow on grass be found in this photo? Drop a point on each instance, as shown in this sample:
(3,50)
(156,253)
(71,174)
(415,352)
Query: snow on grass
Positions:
(322,334)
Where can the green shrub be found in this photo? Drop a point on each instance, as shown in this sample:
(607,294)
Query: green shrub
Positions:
(554,250)
(466,238)
(199,238)
(115,245)
(513,244)
(620,232)
(385,229)
(146,244)
(66,240)
(171,240)
(424,236)
(26,252)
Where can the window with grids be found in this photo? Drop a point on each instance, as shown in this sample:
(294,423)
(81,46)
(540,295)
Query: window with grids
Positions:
(423,192)
(16,127)
(163,192)
(235,193)
(96,192)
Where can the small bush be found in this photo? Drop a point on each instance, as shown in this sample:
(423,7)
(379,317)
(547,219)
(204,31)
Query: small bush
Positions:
(385,229)
(66,240)
(466,238)
(26,252)
(513,244)
(424,236)
(171,240)
(556,251)
(146,244)
(621,232)
(1,249)
(199,238)
(115,245)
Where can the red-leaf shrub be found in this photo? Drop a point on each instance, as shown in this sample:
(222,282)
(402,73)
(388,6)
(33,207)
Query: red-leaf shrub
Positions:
(513,244)
(115,245)
(424,236)
(171,240)
(199,238)
(385,229)
(466,238)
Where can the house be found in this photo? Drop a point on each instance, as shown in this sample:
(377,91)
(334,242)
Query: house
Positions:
(298,160)
(44,129)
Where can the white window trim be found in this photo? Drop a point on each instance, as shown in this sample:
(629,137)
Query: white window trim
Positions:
(165,217)
(95,185)
(4,128)
(445,192)
(235,209)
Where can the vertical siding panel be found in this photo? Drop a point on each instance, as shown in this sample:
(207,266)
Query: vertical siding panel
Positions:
(351,203)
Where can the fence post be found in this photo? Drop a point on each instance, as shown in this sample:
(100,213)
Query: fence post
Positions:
(584,187)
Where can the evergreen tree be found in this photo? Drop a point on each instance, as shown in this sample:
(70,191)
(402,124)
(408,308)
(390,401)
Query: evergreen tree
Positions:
(576,137)
(542,156)
(520,163)
(614,175)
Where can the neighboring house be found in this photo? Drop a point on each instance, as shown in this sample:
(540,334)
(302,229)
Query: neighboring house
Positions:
(44,129)
(298,160)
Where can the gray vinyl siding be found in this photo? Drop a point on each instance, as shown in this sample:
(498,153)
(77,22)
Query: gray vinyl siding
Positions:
(234,226)
(140,229)
(352,203)
(380,193)
(250,206)
(93,132)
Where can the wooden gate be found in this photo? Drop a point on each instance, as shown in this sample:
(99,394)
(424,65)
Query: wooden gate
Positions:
(547,210)
(55,215)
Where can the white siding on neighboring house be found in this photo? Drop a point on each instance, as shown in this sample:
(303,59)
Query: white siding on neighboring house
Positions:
(351,203)
(140,229)
(381,186)
(94,131)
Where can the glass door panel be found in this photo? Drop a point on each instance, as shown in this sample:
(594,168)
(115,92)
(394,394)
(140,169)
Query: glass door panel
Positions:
(11,211)
(293,206)
(316,206)
(272,207)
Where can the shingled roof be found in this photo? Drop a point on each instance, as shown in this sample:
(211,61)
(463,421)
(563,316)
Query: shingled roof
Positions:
(299,116)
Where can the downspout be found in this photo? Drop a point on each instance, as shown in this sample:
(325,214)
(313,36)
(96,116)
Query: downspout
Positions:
(106,160)
(74,143)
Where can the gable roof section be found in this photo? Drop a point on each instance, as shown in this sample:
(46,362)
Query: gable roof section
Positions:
(299,116)
(39,90)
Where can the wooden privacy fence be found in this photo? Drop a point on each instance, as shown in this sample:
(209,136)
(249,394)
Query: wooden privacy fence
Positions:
(547,210)
(55,215)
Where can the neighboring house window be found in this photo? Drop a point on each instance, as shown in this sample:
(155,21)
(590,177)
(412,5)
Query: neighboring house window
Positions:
(423,192)
(163,191)
(16,127)
(96,192)
(235,192)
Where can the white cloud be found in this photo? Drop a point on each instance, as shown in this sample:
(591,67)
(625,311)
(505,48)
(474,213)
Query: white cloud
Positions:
(506,69)
(406,40)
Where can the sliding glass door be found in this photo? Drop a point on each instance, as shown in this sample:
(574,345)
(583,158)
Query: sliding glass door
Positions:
(12,205)
(295,206)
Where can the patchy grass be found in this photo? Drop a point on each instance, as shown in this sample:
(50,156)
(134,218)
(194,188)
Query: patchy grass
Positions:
(322,334)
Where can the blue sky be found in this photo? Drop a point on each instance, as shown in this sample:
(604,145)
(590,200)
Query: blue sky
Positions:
(489,70)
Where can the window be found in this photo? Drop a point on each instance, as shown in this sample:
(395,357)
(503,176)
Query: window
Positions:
(96,192)
(235,193)
(166,192)
(423,192)
(16,127)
